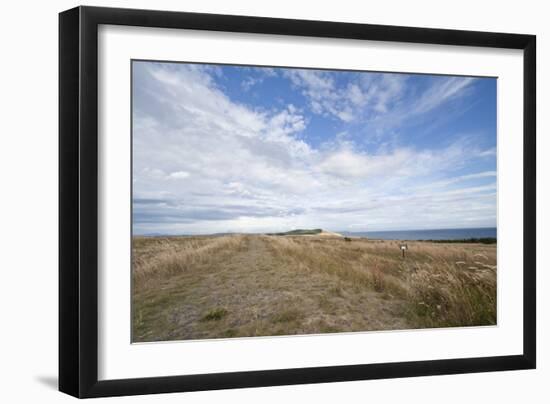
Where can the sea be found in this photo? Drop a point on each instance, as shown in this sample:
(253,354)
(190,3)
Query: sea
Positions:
(434,234)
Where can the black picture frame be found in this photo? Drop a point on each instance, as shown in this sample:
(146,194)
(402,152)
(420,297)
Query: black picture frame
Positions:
(78,201)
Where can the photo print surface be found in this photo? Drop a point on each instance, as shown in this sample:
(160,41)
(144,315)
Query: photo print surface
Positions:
(271,201)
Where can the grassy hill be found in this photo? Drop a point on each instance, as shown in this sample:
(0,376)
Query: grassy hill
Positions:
(297,232)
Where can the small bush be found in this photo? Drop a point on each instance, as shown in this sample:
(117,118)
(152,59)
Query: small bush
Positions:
(215,314)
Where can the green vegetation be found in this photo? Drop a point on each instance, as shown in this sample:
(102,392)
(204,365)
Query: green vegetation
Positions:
(482,240)
(215,314)
(297,232)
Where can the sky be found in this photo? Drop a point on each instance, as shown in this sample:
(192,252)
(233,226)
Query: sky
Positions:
(223,148)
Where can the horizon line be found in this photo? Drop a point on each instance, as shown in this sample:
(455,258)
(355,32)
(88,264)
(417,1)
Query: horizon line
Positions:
(333,231)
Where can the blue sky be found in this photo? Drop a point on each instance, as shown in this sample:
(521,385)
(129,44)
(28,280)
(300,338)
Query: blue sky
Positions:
(255,149)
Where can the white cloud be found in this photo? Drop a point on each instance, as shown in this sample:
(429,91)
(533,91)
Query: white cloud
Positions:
(206,164)
(346,163)
(362,97)
(477,175)
(178,175)
(381,101)
(319,88)
(261,73)
(488,153)
(444,90)
(250,82)
(456,180)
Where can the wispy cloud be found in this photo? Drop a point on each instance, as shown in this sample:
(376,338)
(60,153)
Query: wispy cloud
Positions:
(375,97)
(443,90)
(260,74)
(364,94)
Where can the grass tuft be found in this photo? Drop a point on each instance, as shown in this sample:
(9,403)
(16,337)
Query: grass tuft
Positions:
(215,314)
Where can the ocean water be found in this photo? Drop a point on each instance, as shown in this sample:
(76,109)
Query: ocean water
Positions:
(435,234)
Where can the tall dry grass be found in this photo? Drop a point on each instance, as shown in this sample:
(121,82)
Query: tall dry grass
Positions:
(443,284)
(155,259)
(344,261)
(213,287)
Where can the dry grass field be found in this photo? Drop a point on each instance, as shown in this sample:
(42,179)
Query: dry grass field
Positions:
(255,285)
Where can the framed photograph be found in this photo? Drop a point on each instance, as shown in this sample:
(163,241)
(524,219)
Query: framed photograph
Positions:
(250,201)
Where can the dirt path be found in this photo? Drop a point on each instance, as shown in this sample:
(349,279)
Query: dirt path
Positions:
(253,293)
